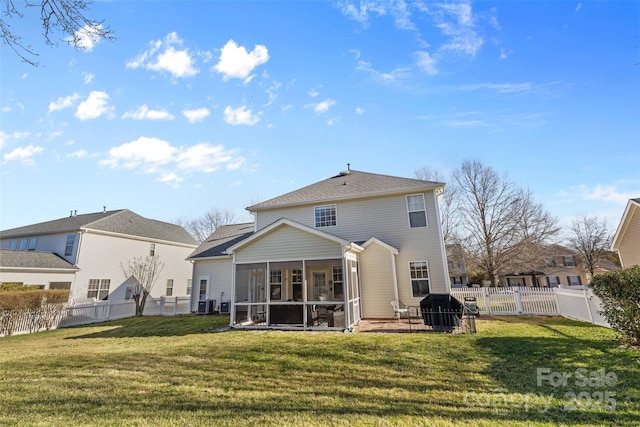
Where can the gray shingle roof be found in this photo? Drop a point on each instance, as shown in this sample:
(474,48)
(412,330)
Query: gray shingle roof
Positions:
(347,185)
(31,259)
(121,221)
(224,237)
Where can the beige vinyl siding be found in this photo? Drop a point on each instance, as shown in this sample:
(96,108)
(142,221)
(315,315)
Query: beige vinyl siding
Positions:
(288,243)
(101,256)
(219,271)
(629,248)
(376,282)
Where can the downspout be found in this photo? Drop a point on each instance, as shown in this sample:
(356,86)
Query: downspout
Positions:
(443,250)
(395,276)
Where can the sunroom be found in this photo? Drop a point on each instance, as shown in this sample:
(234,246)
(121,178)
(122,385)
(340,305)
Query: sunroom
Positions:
(290,276)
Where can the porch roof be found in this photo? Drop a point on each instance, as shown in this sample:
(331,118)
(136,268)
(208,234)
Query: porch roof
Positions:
(287,222)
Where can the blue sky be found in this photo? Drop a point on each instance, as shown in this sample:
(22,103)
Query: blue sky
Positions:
(221,104)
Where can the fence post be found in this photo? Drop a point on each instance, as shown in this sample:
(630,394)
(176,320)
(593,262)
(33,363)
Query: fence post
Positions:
(175,307)
(585,291)
(516,292)
(162,305)
(487,299)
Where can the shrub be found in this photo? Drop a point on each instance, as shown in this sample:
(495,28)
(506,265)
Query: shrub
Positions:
(38,308)
(620,295)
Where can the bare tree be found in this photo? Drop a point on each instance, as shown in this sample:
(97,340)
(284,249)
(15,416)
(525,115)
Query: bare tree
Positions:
(63,16)
(591,237)
(141,274)
(500,223)
(447,202)
(202,228)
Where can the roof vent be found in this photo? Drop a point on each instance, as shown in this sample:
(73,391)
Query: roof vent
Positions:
(348,171)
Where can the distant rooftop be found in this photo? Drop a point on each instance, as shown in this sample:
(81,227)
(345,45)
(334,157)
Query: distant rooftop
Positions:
(221,239)
(121,221)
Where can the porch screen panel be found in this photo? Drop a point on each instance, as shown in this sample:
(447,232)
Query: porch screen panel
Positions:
(250,282)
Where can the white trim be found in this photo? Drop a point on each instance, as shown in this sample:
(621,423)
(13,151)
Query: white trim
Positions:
(381,243)
(330,205)
(426,261)
(140,238)
(624,224)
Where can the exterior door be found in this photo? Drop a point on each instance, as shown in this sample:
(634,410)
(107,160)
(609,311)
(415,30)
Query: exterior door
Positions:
(319,291)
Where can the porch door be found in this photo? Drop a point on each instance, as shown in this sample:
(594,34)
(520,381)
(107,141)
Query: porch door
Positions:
(319,290)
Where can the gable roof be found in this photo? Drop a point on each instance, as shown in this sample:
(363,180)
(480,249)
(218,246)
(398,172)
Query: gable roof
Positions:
(34,260)
(350,184)
(121,221)
(223,237)
(287,222)
(632,206)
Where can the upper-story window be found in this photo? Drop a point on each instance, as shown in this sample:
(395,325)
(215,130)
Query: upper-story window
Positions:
(325,216)
(27,244)
(71,240)
(417,211)
(152,249)
(569,261)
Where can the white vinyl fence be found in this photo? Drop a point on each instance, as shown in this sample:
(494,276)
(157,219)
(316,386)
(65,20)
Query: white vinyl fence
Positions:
(575,302)
(101,311)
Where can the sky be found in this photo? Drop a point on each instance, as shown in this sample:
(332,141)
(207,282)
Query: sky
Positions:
(200,105)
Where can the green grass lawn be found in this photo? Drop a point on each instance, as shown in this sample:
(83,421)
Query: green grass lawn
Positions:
(168,371)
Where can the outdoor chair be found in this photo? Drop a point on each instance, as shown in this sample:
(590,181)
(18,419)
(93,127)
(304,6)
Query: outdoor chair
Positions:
(399,309)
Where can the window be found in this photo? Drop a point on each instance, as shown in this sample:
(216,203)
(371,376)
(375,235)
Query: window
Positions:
(202,293)
(417,211)
(419,278)
(60,285)
(152,249)
(296,281)
(32,244)
(128,294)
(338,288)
(189,286)
(325,216)
(23,244)
(71,239)
(275,279)
(569,261)
(169,292)
(13,244)
(574,280)
(99,288)
(553,281)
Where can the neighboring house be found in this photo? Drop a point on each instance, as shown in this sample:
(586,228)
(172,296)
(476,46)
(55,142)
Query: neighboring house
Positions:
(626,241)
(84,253)
(457,268)
(328,254)
(561,267)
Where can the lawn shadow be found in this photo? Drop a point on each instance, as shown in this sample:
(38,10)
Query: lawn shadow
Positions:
(155,326)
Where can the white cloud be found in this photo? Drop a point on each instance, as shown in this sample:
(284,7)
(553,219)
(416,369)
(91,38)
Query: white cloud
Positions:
(323,107)
(144,113)
(361,11)
(96,105)
(240,116)
(196,115)
(456,21)
(360,110)
(64,102)
(389,77)
(426,62)
(314,93)
(605,193)
(236,62)
(88,77)
(505,53)
(87,37)
(7,109)
(23,154)
(5,137)
(144,151)
(153,155)
(166,55)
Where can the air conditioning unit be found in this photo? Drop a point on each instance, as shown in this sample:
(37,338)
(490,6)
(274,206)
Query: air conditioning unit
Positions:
(225,307)
(206,306)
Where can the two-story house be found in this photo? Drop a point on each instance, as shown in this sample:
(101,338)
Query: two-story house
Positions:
(328,254)
(84,253)
(626,241)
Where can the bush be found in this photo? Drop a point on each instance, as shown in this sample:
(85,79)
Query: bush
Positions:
(38,308)
(620,295)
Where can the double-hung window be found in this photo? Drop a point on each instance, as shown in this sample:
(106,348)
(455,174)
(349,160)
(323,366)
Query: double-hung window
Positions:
(419,278)
(71,240)
(417,211)
(99,288)
(325,216)
(169,292)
